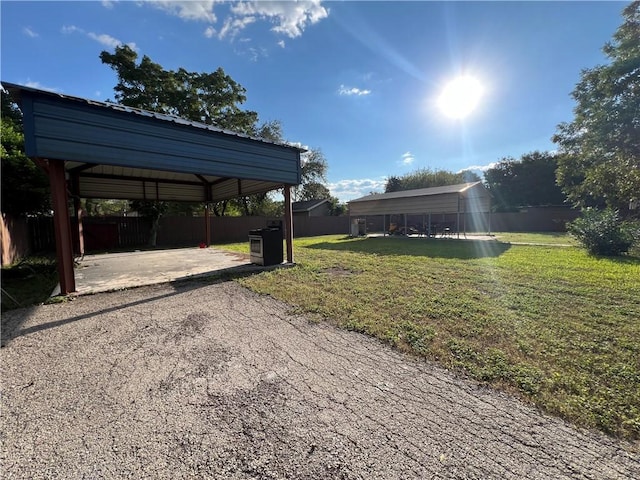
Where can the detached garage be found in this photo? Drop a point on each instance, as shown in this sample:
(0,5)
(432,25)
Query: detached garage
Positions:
(428,211)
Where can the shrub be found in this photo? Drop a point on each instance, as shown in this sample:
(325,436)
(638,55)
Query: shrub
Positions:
(602,232)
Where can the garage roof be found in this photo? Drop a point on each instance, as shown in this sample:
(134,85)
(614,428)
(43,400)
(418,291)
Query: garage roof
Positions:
(114,151)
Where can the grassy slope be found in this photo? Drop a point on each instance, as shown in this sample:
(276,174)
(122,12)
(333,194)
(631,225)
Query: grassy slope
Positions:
(551,324)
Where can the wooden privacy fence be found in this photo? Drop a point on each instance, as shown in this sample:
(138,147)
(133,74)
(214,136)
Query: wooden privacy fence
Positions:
(22,236)
(533,219)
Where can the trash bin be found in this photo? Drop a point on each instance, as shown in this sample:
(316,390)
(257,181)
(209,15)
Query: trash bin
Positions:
(265,246)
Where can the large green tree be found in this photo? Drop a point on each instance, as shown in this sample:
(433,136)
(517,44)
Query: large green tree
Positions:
(600,148)
(25,187)
(314,181)
(314,176)
(529,181)
(210,98)
(427,178)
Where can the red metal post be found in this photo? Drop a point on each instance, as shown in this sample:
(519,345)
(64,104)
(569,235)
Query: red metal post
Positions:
(62,224)
(288,223)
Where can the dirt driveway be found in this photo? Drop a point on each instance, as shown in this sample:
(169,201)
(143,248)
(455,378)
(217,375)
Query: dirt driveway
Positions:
(213,381)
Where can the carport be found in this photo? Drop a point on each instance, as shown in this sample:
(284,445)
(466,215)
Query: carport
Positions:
(92,149)
(456,200)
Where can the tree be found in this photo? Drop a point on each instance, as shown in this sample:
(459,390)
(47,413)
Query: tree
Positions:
(25,187)
(98,208)
(152,211)
(529,181)
(313,176)
(600,161)
(603,232)
(427,178)
(210,98)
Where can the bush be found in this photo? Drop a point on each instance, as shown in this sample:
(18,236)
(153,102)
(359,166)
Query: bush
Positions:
(602,232)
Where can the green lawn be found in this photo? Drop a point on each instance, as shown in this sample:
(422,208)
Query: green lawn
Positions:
(543,238)
(553,325)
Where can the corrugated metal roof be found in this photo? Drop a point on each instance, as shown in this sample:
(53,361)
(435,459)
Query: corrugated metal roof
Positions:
(420,192)
(16,93)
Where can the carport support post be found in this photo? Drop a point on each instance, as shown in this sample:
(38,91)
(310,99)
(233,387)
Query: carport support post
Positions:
(288,223)
(207,225)
(62,224)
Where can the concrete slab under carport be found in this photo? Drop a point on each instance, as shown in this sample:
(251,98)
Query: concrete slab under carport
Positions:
(116,271)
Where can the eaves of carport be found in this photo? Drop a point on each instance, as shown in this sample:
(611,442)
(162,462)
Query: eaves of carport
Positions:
(103,150)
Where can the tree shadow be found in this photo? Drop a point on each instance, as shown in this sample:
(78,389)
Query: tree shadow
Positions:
(420,247)
(622,259)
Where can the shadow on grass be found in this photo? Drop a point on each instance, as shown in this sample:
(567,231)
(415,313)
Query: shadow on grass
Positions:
(422,247)
(12,322)
(623,259)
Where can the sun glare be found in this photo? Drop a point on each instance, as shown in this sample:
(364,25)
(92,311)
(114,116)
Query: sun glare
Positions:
(460,96)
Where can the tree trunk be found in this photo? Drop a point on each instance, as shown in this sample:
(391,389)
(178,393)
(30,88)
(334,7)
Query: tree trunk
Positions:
(153,237)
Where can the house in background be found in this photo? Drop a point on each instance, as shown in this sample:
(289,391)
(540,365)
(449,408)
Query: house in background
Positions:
(311,208)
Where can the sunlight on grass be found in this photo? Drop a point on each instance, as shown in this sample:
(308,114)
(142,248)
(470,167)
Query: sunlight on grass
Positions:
(553,325)
(542,238)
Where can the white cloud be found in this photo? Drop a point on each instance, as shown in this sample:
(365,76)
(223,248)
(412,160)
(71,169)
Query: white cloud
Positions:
(29,32)
(287,17)
(107,3)
(479,168)
(346,190)
(291,18)
(71,29)
(31,84)
(200,10)
(102,38)
(255,53)
(233,26)
(281,43)
(407,159)
(352,91)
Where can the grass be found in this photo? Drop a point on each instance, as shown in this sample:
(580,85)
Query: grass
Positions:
(542,238)
(28,282)
(553,325)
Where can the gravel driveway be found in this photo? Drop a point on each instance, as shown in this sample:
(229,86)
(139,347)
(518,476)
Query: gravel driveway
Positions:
(214,381)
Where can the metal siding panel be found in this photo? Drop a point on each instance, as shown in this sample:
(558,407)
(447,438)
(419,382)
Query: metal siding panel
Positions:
(73,133)
(28,123)
(444,203)
(116,189)
(184,193)
(224,190)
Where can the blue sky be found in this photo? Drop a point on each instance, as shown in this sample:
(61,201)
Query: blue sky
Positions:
(361,81)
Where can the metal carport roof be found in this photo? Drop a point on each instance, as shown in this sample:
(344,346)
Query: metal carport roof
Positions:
(96,149)
(114,151)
